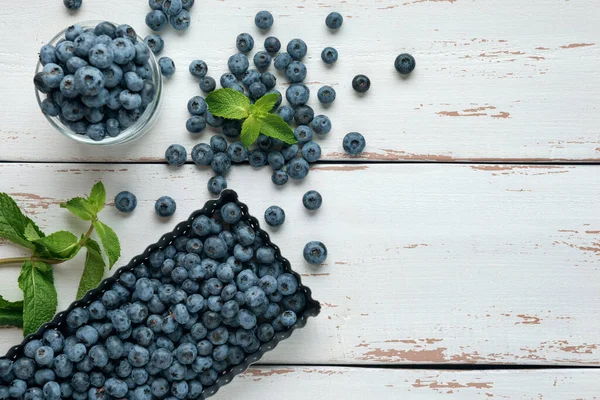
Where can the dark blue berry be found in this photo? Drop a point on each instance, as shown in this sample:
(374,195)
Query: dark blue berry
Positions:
(329,55)
(263,20)
(244,42)
(217,184)
(165,206)
(125,202)
(314,253)
(361,83)
(272,44)
(405,63)
(312,200)
(354,143)
(176,154)
(297,49)
(334,20)
(275,216)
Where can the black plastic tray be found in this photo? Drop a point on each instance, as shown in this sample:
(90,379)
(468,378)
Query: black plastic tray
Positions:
(312,306)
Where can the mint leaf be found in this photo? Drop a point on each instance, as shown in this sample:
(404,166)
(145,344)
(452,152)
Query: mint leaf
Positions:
(93,269)
(31,233)
(61,245)
(228,103)
(250,130)
(97,197)
(80,207)
(13,223)
(274,126)
(37,283)
(11,313)
(264,105)
(110,242)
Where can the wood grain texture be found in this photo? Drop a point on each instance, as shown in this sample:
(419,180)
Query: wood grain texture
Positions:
(512,82)
(299,383)
(428,264)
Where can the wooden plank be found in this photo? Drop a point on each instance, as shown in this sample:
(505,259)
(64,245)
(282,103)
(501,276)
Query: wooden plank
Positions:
(480,91)
(428,264)
(299,383)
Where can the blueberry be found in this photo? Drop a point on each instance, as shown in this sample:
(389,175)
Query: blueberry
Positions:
(257,158)
(263,20)
(115,387)
(286,113)
(289,151)
(244,42)
(75,63)
(17,388)
(50,108)
(105,28)
(288,318)
(176,154)
(257,90)
(84,43)
(282,61)
(211,320)
(215,247)
(238,64)
(326,95)
(405,63)
(187,4)
(354,143)
(154,43)
(279,177)
(220,163)
(172,7)
(167,66)
(231,213)
(265,255)
(48,53)
(24,368)
(101,56)
(52,75)
(329,55)
(265,333)
(181,21)
(88,81)
(268,79)
(31,347)
(94,114)
(218,143)
(217,184)
(201,225)
(219,335)
(334,20)
(207,84)
(113,75)
(214,121)
(297,94)
(232,128)
(274,216)
(87,335)
(125,202)
(97,100)
(195,124)
(243,254)
(65,50)
(296,72)
(73,110)
(127,32)
(165,207)
(51,390)
(77,317)
(249,77)
(156,20)
(311,151)
(297,49)
(112,127)
(298,168)
(272,44)
(361,83)
(246,318)
(262,60)
(228,80)
(304,115)
(198,68)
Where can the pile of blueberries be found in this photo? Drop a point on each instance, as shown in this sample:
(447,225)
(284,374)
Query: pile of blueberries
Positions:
(164,11)
(287,161)
(169,327)
(98,81)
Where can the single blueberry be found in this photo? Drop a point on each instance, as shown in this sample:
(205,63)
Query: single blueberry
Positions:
(262,60)
(279,177)
(167,66)
(354,143)
(297,49)
(207,84)
(314,253)
(263,20)
(361,83)
(405,63)
(326,95)
(217,184)
(181,21)
(165,207)
(238,64)
(297,94)
(244,42)
(282,61)
(272,44)
(275,216)
(329,55)
(296,72)
(334,20)
(195,124)
(298,168)
(154,43)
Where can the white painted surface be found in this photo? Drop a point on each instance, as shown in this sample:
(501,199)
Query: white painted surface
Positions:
(300,383)
(428,264)
(516,81)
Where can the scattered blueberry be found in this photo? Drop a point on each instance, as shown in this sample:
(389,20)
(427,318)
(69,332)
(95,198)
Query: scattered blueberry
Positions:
(279,177)
(329,55)
(217,184)
(312,200)
(321,124)
(311,151)
(334,20)
(315,253)
(405,63)
(354,143)
(207,84)
(361,83)
(282,61)
(165,207)
(326,95)
(262,60)
(125,202)
(181,21)
(154,43)
(72,4)
(298,168)
(244,42)
(303,134)
(263,20)
(275,216)
(272,44)
(156,20)
(167,66)
(296,72)
(297,94)
(303,115)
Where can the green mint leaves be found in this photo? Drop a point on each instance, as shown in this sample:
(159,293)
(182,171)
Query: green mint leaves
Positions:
(36,279)
(37,283)
(230,104)
(93,269)
(11,313)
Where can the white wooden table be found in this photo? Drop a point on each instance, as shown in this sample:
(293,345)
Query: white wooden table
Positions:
(467,235)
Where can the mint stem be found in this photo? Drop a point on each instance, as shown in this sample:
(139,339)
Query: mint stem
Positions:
(21,260)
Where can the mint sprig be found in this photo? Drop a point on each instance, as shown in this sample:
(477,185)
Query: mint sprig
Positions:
(231,104)
(36,279)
